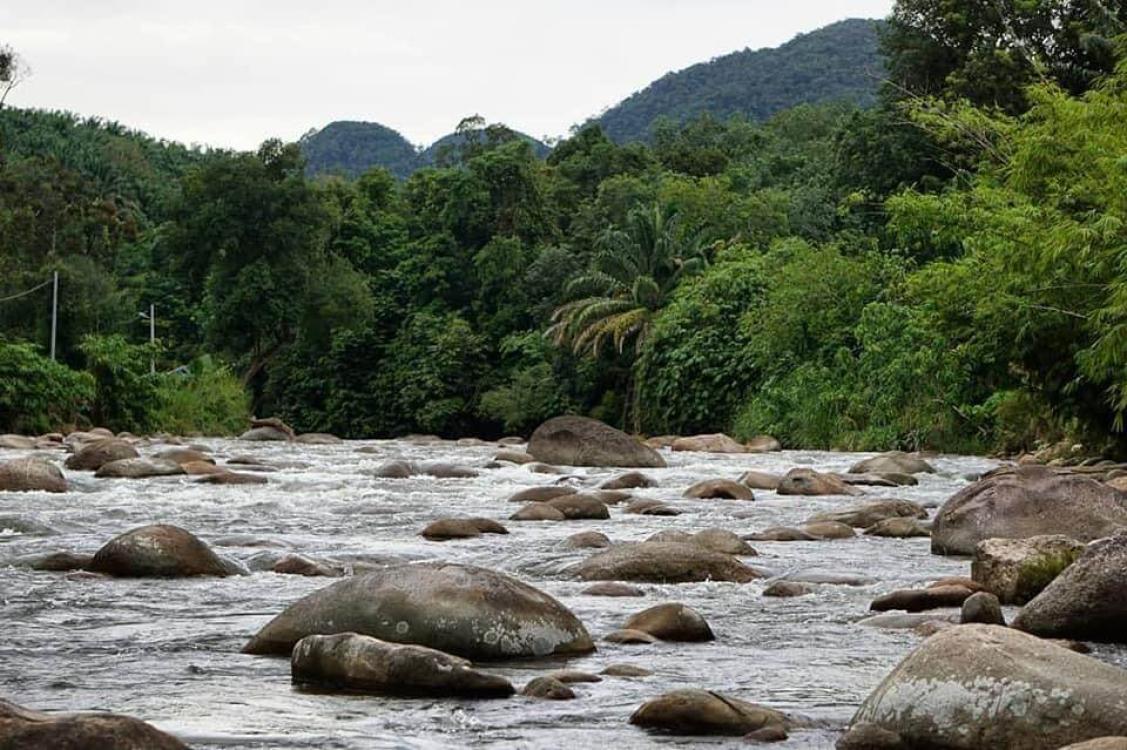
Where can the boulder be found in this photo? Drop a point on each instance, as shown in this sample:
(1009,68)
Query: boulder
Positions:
(802,481)
(787,589)
(300,565)
(650,507)
(578,507)
(542,494)
(893,462)
(579,441)
(763,444)
(31,475)
(979,686)
(17,442)
(722,540)
(361,663)
(201,468)
(662,562)
(1088,601)
(184,456)
(1030,501)
(868,514)
(273,423)
(783,534)
(671,622)
(93,455)
(138,468)
(703,712)
(317,438)
(983,608)
(513,457)
(612,588)
(21,729)
(719,488)
(266,434)
(231,477)
(631,480)
(460,609)
(572,676)
(760,480)
(823,530)
(897,528)
(612,497)
(588,540)
(1016,570)
(547,688)
(395,470)
(714,443)
(55,562)
(538,512)
(921,600)
(461,528)
(625,670)
(158,551)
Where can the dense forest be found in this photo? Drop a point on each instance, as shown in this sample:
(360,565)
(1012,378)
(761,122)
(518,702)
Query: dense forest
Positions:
(941,270)
(838,63)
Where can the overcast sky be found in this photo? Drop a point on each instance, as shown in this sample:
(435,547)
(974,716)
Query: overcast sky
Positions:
(234,73)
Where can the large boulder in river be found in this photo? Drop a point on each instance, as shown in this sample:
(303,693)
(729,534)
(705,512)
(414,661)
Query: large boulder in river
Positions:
(1016,570)
(725,489)
(17,442)
(365,664)
(460,609)
(979,686)
(31,475)
(866,515)
(1087,601)
(91,456)
(809,482)
(139,468)
(893,462)
(700,712)
(21,729)
(1031,501)
(714,443)
(663,562)
(159,551)
(672,621)
(579,441)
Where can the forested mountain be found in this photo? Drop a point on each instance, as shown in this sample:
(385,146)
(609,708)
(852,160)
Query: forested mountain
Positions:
(840,62)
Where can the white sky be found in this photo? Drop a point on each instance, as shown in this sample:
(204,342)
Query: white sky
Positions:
(237,72)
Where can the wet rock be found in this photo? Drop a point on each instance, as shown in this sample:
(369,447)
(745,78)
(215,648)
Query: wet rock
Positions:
(612,588)
(1088,600)
(138,468)
(897,621)
(300,565)
(719,488)
(55,562)
(579,507)
(626,670)
(513,457)
(158,551)
(1030,501)
(17,443)
(572,676)
(631,480)
(963,581)
(231,477)
(978,686)
(538,512)
(93,455)
(893,462)
(461,528)
(920,600)
(547,688)
(22,729)
(395,470)
(1016,570)
(722,540)
(31,475)
(714,443)
(823,530)
(866,736)
(660,562)
(983,608)
(868,514)
(703,712)
(579,441)
(832,578)
(460,609)
(671,622)
(184,456)
(588,540)
(760,480)
(629,637)
(787,589)
(809,482)
(448,471)
(648,507)
(542,494)
(362,663)
(897,528)
(273,423)
(784,534)
(763,444)
(612,497)
(318,438)
(201,468)
(266,434)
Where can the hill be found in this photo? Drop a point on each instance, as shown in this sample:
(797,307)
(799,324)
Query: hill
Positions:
(838,62)
(352,148)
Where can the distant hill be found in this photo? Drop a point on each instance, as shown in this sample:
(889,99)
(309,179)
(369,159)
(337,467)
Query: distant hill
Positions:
(838,62)
(352,148)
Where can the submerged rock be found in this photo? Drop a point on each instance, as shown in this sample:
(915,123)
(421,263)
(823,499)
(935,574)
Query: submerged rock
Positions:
(759,480)
(578,507)
(460,609)
(919,600)
(671,622)
(461,528)
(719,488)
(979,686)
(612,588)
(31,475)
(93,455)
(158,551)
(547,688)
(662,562)
(362,663)
(809,482)
(631,480)
(579,441)
(542,494)
(897,528)
(21,729)
(538,512)
(139,468)
(868,514)
(588,540)
(702,712)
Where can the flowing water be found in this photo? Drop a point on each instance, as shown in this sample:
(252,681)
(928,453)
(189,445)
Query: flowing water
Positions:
(167,651)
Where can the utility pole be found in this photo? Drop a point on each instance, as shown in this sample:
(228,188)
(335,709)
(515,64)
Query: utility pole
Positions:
(152,337)
(54,314)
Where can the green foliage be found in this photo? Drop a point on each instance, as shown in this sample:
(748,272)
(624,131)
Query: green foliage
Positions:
(207,399)
(38,395)
(125,394)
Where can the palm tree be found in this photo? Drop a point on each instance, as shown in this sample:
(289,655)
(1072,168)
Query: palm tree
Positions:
(634,271)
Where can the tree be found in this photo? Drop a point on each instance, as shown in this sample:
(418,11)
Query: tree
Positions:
(13,71)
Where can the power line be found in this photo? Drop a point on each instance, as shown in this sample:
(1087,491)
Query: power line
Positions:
(25,293)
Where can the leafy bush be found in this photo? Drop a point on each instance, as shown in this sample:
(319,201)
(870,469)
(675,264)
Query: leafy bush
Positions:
(125,394)
(37,394)
(208,399)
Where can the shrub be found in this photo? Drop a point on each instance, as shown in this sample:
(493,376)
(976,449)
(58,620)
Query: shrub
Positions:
(37,394)
(207,399)
(125,394)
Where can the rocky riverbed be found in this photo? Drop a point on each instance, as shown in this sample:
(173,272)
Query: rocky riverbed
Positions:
(169,651)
